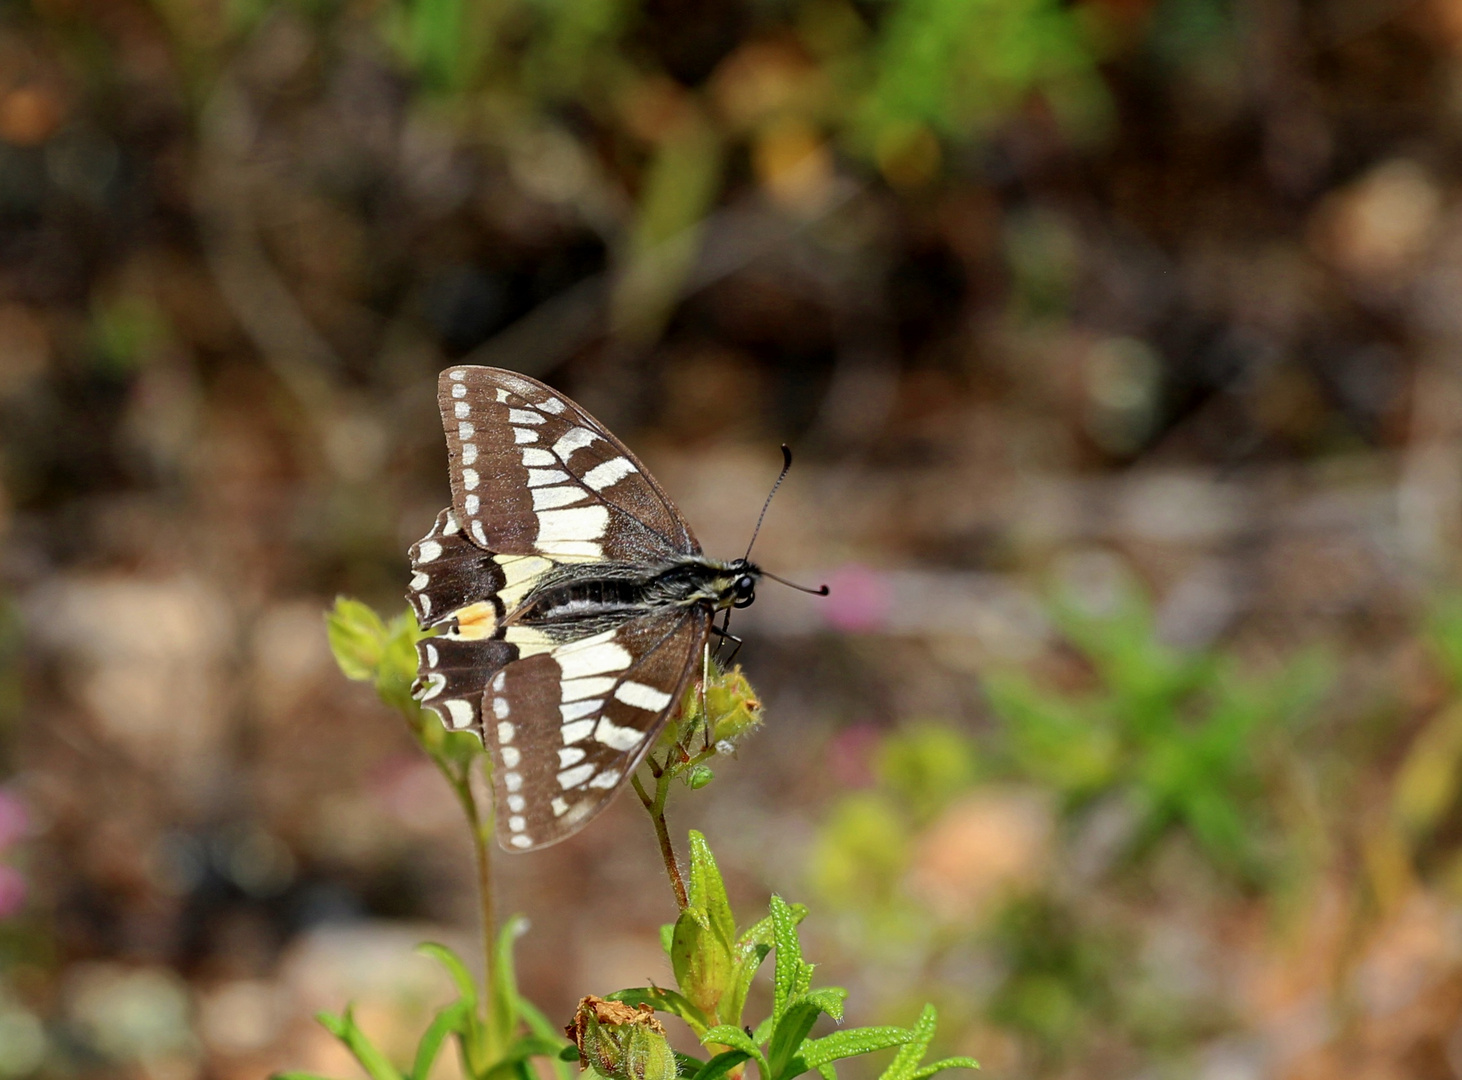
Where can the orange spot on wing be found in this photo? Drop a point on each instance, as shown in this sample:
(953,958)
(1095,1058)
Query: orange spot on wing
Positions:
(477,621)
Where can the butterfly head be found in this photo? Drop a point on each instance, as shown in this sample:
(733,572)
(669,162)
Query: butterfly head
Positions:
(742,590)
(728,584)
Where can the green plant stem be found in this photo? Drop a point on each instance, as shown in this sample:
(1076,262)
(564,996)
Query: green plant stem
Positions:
(656,808)
(482,850)
(480,826)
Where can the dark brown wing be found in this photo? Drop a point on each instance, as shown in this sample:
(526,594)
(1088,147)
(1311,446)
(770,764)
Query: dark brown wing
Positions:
(569,725)
(532,473)
(460,590)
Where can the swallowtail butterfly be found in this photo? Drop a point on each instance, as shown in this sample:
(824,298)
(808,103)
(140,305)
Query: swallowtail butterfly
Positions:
(570,600)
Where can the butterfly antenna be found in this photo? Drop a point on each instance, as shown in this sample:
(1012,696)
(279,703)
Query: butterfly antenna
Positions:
(786,465)
(821,590)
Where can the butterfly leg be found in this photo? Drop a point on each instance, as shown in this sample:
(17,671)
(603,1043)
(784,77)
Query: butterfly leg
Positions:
(705,678)
(725,637)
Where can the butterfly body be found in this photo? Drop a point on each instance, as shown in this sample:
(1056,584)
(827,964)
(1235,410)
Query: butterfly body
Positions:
(570,601)
(578,599)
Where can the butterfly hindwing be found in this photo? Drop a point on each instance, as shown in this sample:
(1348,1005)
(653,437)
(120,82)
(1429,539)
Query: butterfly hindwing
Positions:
(462,592)
(532,473)
(569,724)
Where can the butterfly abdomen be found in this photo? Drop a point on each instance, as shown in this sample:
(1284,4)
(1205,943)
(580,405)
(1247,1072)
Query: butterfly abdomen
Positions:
(595,596)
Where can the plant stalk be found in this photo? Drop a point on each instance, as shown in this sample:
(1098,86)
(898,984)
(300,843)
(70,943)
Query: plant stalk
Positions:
(480,826)
(482,850)
(656,809)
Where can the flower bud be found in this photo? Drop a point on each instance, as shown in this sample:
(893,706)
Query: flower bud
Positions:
(621,1042)
(733,707)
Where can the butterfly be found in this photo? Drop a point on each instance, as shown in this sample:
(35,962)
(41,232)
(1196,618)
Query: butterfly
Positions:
(570,599)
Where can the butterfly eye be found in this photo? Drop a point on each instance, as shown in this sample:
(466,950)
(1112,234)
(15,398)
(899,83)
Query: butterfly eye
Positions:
(745,590)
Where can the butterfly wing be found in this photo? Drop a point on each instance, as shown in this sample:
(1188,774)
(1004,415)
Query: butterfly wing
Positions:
(534,474)
(568,725)
(536,481)
(457,589)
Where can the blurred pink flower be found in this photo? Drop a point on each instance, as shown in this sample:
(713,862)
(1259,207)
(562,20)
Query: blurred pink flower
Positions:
(860,599)
(14,818)
(850,755)
(13,891)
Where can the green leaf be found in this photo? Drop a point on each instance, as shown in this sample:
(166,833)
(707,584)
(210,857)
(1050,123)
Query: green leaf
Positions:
(701,960)
(797,1021)
(450,1019)
(708,891)
(702,943)
(461,977)
(792,976)
(828,999)
(912,1052)
(666,1001)
(528,1046)
(746,968)
(763,1031)
(371,1059)
(357,638)
(731,1036)
(750,951)
(667,936)
(504,1007)
(521,1050)
(841,1044)
(396,670)
(721,1064)
(473,1036)
(545,1028)
(905,1065)
(789,1033)
(295,1074)
(925,1071)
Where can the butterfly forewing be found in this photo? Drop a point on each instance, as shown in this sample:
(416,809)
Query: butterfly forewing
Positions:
(567,726)
(532,473)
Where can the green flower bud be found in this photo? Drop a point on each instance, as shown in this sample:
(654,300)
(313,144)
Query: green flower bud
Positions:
(733,707)
(699,776)
(620,1042)
(357,638)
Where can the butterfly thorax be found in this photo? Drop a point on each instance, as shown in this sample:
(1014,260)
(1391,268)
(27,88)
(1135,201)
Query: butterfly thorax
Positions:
(577,599)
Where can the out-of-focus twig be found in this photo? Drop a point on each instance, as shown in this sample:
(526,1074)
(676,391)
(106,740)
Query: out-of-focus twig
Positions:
(732,239)
(259,298)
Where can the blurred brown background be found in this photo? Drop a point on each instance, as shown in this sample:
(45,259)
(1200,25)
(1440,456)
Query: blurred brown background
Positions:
(1154,299)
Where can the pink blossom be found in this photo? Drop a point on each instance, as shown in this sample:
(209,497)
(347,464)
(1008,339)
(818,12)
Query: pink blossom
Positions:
(13,891)
(850,755)
(860,599)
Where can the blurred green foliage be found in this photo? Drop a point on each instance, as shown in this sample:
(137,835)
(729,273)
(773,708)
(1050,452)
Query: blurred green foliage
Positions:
(499,1040)
(1181,737)
(586,107)
(1428,781)
(1155,741)
(959,66)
